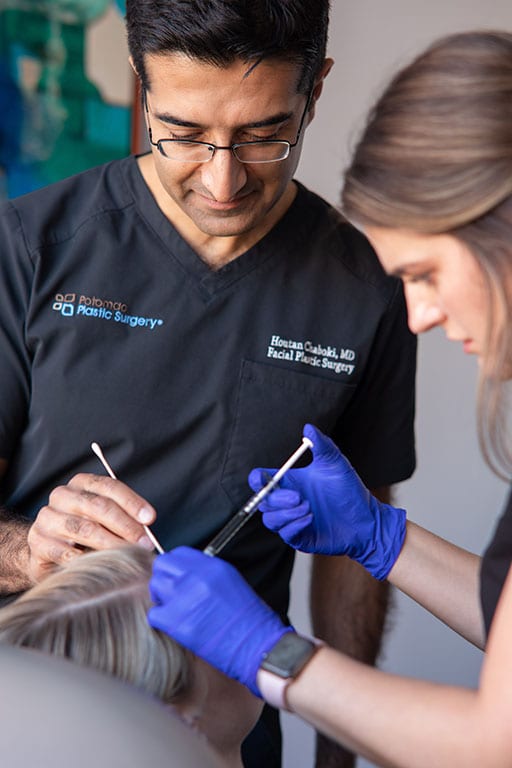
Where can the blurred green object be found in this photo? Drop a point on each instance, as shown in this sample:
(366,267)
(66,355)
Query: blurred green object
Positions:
(66,125)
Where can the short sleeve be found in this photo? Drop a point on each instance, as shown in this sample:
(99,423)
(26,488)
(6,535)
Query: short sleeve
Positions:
(16,274)
(495,564)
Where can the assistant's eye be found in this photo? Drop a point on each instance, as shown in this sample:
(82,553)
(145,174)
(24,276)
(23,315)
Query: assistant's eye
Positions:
(427,278)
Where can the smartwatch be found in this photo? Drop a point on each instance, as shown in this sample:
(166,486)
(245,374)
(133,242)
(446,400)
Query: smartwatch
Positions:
(282,664)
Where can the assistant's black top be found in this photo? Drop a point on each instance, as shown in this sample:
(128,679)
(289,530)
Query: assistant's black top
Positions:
(496,563)
(113,330)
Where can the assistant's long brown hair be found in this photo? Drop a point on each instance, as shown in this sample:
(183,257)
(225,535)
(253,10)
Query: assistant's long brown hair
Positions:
(436,157)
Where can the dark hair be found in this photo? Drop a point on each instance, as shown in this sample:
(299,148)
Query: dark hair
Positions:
(436,157)
(221,31)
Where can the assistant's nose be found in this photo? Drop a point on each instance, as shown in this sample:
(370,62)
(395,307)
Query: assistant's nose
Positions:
(223,176)
(423,315)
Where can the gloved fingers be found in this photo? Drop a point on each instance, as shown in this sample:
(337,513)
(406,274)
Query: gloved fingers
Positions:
(324,448)
(157,617)
(156,591)
(166,572)
(281,498)
(177,562)
(298,534)
(175,626)
(170,599)
(169,568)
(278,519)
(181,564)
(259,477)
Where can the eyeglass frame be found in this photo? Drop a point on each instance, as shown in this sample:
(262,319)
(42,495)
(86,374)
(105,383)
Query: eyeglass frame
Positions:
(231,147)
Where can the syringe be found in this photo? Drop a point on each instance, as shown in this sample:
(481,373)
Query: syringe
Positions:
(244,514)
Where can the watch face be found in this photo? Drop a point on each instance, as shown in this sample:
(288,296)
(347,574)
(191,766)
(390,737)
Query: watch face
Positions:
(289,655)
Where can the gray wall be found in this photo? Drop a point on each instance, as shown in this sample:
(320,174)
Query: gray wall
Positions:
(452,492)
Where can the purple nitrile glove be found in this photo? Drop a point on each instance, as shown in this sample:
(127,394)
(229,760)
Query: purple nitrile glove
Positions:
(325,508)
(206,605)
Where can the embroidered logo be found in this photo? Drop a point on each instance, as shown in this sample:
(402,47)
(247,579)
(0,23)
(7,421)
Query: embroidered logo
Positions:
(72,304)
(327,357)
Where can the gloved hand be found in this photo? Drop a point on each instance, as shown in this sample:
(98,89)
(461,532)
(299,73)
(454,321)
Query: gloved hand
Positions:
(325,508)
(205,604)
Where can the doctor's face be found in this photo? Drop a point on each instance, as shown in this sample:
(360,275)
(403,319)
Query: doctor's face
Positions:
(192,100)
(443,283)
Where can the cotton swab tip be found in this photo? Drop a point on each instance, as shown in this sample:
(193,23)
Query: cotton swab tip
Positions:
(99,453)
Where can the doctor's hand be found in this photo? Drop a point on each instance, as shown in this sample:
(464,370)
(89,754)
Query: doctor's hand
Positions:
(90,512)
(205,604)
(324,508)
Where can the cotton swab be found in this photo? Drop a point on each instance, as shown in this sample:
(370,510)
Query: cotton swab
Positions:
(99,453)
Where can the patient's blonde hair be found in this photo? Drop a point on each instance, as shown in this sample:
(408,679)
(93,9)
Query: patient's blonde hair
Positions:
(93,611)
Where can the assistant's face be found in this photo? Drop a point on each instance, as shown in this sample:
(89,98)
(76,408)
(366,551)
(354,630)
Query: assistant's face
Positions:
(189,99)
(443,283)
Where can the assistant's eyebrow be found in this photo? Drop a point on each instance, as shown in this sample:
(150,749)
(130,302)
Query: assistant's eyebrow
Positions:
(281,117)
(413,269)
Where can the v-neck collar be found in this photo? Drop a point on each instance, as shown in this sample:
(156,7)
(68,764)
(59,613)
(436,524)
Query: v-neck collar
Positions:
(282,237)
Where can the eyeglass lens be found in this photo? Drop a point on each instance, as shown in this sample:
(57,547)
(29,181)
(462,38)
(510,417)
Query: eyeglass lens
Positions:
(251,152)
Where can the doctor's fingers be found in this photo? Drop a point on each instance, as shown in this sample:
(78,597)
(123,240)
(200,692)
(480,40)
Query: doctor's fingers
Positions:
(122,495)
(53,536)
(45,553)
(88,519)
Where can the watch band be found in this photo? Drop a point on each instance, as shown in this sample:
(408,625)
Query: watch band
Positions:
(273,688)
(273,680)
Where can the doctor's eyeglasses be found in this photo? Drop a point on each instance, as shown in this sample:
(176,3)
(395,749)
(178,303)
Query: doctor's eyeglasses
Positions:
(260,151)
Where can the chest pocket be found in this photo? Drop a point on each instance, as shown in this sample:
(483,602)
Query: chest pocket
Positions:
(272,406)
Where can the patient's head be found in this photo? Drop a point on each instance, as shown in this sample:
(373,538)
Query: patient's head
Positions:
(93,611)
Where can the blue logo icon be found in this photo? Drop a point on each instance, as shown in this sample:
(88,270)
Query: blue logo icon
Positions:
(64,303)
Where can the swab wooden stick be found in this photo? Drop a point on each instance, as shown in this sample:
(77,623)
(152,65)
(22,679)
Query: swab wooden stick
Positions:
(151,536)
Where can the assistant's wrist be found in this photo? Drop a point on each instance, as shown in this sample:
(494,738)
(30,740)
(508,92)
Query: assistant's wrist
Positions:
(390,524)
(272,638)
(282,665)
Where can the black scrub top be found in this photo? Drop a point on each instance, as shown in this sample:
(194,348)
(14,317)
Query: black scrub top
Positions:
(113,330)
(496,563)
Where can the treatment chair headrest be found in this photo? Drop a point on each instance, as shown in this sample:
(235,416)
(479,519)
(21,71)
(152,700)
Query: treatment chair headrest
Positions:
(55,713)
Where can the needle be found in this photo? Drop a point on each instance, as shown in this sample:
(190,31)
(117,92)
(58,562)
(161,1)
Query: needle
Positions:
(99,453)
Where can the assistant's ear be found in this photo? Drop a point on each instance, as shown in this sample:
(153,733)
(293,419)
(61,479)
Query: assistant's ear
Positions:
(318,86)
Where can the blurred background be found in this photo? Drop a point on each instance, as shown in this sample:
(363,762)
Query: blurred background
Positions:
(66,90)
(68,101)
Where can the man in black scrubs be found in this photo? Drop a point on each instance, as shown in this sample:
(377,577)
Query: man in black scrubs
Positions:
(190,309)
